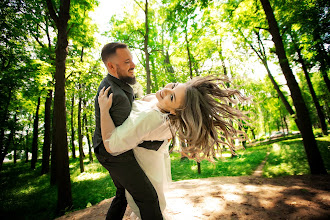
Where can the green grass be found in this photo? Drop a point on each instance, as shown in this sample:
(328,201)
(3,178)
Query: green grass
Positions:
(247,161)
(288,157)
(25,194)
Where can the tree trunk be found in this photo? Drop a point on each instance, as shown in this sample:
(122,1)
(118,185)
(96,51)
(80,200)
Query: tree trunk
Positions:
(53,154)
(81,152)
(88,138)
(10,140)
(278,90)
(5,150)
(303,119)
(146,41)
(168,65)
(15,153)
(35,137)
(47,134)
(322,57)
(64,201)
(27,143)
(261,53)
(312,91)
(225,72)
(3,119)
(189,55)
(73,148)
(155,86)
(26,147)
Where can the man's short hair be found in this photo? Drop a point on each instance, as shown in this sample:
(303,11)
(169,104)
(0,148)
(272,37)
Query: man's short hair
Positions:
(110,49)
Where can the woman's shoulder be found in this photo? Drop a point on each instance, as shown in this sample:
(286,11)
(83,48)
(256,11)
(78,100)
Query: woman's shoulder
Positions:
(149,97)
(146,111)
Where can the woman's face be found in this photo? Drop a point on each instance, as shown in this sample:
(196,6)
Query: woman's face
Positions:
(171,97)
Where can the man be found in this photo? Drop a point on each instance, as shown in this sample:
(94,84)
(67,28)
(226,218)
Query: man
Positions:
(124,169)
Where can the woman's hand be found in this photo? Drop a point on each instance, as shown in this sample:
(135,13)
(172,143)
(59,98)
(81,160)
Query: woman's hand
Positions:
(105,102)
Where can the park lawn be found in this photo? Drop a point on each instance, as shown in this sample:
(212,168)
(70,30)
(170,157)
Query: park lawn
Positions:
(242,165)
(27,195)
(288,157)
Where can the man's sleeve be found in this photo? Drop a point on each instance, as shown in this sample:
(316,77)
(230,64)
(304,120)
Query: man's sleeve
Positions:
(151,145)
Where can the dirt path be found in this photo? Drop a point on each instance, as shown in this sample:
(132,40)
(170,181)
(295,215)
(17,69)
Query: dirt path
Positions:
(247,197)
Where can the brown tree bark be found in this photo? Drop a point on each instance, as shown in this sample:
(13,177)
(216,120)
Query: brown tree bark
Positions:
(9,141)
(73,148)
(322,57)
(64,195)
(303,120)
(3,119)
(53,153)
(225,72)
(81,152)
(26,148)
(88,138)
(312,91)
(47,134)
(261,53)
(189,55)
(146,52)
(35,137)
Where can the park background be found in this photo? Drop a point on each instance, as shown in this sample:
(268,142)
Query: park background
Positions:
(275,51)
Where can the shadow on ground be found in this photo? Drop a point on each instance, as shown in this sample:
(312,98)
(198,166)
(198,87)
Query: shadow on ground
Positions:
(247,197)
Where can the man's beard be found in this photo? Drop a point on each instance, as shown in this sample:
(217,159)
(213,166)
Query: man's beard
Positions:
(126,79)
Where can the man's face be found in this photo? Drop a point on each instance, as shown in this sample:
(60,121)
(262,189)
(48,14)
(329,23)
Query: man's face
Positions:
(123,62)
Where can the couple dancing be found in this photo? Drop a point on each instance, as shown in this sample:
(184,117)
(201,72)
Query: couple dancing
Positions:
(132,138)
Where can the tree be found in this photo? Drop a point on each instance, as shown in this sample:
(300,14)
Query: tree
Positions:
(311,89)
(35,137)
(303,119)
(47,134)
(80,136)
(61,19)
(261,53)
(16,67)
(73,148)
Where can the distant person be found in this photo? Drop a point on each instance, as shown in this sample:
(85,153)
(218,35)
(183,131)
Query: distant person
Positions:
(198,111)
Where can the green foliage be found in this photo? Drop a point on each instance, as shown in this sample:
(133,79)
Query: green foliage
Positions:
(217,33)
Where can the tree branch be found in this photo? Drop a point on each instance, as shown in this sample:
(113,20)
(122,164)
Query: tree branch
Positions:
(252,47)
(267,29)
(69,29)
(52,11)
(66,78)
(139,5)
(37,39)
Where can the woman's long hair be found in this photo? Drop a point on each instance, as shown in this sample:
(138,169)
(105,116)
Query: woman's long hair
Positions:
(207,119)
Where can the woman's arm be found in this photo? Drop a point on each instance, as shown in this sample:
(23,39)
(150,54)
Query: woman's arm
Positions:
(131,133)
(107,125)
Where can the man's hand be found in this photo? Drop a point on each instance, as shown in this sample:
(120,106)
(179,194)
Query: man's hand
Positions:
(105,102)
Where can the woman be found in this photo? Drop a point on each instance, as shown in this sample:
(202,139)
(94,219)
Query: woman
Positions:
(200,112)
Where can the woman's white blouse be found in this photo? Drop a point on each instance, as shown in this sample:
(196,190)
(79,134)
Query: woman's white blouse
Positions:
(144,123)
